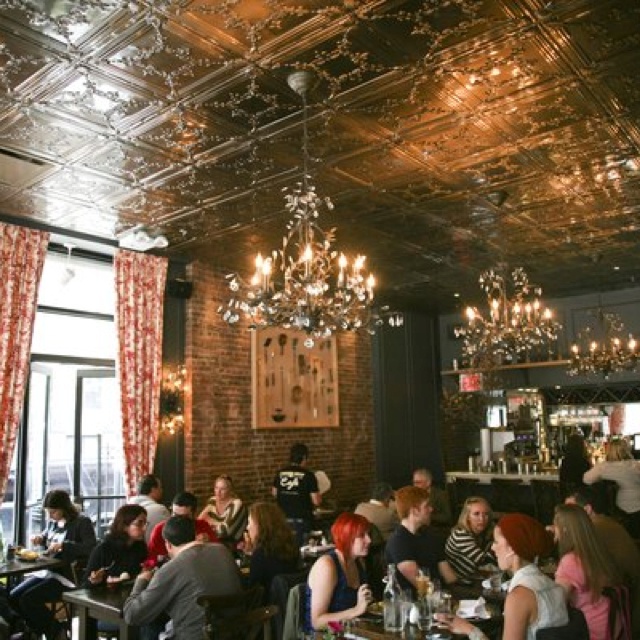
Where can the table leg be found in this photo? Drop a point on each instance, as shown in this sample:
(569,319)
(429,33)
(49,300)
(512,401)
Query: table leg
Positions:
(83,619)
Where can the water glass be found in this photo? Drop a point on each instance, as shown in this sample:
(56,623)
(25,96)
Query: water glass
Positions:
(405,609)
(495,582)
(425,619)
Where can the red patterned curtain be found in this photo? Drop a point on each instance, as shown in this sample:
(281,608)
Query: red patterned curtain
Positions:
(140,281)
(22,254)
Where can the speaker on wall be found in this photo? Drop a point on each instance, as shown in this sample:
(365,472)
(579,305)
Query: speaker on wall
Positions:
(180,288)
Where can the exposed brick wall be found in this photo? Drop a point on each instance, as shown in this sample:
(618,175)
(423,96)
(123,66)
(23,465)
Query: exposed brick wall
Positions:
(218,435)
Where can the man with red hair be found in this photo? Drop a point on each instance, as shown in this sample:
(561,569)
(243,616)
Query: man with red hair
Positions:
(413,546)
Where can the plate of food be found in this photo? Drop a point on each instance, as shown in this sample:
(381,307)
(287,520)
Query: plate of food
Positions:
(27,555)
(376,608)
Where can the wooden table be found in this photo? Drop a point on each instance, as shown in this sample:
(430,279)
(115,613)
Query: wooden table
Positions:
(16,568)
(100,603)
(492,627)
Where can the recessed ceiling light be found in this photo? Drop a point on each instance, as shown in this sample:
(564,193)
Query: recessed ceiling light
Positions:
(456,295)
(616,268)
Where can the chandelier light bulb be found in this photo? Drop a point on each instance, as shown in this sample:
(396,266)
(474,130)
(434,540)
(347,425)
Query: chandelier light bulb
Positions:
(315,293)
(611,353)
(518,327)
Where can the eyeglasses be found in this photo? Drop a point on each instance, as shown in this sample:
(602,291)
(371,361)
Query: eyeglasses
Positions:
(139,523)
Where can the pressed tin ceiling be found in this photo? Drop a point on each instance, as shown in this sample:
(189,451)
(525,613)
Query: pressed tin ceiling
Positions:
(451,135)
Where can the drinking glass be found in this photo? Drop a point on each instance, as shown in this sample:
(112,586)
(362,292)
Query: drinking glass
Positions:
(495,582)
(445,607)
(425,619)
(423,584)
(405,608)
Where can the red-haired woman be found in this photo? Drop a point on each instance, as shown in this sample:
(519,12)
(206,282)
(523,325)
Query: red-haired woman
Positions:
(337,588)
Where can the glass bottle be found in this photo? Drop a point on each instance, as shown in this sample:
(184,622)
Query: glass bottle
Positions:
(392,597)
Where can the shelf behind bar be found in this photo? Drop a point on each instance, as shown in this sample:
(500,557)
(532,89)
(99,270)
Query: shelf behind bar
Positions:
(507,367)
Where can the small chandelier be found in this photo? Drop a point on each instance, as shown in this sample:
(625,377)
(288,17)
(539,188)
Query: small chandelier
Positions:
(514,327)
(307,285)
(603,350)
(172,400)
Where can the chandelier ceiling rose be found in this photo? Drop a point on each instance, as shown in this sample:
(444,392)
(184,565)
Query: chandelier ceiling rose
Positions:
(307,285)
(302,82)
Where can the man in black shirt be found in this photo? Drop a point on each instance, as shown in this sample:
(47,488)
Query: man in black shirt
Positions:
(296,490)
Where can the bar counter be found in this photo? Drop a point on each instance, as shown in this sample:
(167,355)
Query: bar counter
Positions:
(535,494)
(485,477)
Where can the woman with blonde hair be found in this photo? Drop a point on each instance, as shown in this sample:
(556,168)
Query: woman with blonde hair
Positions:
(469,544)
(271,543)
(621,468)
(585,567)
(225,512)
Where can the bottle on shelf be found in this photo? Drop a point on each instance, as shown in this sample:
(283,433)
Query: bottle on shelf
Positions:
(392,597)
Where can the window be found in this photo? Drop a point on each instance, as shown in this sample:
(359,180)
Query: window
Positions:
(70,436)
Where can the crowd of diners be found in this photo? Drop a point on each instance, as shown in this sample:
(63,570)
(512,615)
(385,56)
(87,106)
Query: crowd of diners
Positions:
(174,556)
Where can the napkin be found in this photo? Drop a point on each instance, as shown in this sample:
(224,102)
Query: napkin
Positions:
(473,609)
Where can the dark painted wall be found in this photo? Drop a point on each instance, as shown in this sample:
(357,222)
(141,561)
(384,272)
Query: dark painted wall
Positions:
(406,399)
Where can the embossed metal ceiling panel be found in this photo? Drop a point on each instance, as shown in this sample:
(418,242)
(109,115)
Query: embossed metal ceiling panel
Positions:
(450,135)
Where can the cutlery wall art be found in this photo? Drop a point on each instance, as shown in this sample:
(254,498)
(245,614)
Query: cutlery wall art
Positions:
(294,386)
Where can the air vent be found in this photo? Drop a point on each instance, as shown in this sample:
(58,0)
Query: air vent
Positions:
(17,169)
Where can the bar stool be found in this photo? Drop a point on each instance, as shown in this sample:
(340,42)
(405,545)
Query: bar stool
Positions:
(509,496)
(463,488)
(546,495)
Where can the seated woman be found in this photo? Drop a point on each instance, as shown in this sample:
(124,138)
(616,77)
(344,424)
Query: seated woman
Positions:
(336,588)
(469,544)
(69,536)
(585,567)
(225,512)
(121,554)
(271,544)
(533,601)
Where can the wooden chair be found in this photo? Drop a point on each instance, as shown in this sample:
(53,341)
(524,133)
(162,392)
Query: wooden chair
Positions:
(62,610)
(619,625)
(240,616)
(281,585)
(575,629)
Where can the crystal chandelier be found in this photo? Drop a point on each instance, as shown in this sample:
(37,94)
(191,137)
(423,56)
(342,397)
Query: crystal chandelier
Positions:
(307,285)
(603,349)
(515,327)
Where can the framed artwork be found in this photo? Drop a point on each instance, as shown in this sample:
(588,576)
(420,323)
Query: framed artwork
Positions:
(293,385)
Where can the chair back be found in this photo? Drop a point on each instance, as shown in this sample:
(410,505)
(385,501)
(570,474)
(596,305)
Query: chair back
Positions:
(239,616)
(575,629)
(619,626)
(279,590)
(296,611)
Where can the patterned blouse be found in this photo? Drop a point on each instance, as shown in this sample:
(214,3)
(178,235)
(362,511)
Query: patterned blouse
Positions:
(233,521)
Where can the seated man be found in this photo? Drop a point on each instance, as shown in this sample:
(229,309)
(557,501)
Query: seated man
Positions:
(438,498)
(195,569)
(413,546)
(184,504)
(379,511)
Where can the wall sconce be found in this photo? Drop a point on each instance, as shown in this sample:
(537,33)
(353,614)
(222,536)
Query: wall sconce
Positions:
(172,400)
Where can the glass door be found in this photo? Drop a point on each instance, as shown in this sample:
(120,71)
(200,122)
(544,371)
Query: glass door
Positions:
(99,481)
(72,441)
